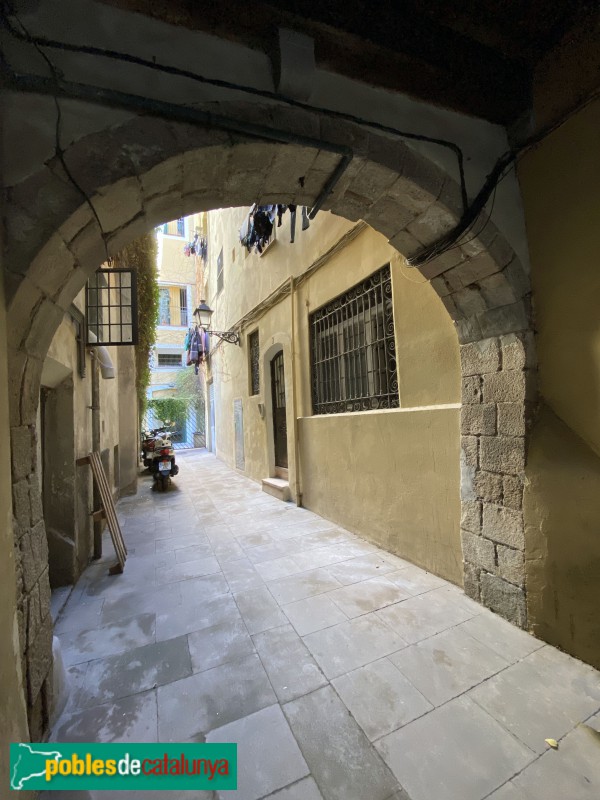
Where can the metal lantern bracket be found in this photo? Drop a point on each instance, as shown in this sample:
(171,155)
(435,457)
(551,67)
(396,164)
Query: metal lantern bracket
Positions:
(204,314)
(227,336)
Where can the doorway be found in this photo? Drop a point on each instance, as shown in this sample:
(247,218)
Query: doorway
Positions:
(279,415)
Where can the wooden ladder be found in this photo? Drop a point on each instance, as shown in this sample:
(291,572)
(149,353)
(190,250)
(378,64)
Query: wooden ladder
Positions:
(108,511)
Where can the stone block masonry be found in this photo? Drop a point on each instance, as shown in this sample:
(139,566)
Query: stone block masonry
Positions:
(33,582)
(498,394)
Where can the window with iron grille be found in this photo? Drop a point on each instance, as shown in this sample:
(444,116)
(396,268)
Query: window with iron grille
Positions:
(254,355)
(111,307)
(168,359)
(220,276)
(353,351)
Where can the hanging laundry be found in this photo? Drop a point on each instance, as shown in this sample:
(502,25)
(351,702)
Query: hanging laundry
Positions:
(186,347)
(292,210)
(305,220)
(263,225)
(280,212)
(195,344)
(204,345)
(203,249)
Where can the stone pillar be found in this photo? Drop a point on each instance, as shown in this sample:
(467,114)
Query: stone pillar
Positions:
(498,393)
(33,583)
(13,718)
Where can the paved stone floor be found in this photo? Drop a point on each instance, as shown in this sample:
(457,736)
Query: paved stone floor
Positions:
(344,673)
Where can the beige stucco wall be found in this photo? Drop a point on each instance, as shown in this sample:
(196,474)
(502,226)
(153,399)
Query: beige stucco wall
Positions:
(560,181)
(13,719)
(399,483)
(391,476)
(118,426)
(175,267)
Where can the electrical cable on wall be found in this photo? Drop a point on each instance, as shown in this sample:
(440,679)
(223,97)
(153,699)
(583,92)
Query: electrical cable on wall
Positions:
(40,41)
(450,240)
(60,153)
(504,165)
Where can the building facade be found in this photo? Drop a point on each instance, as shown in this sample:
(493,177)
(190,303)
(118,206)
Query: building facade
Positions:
(344,393)
(181,253)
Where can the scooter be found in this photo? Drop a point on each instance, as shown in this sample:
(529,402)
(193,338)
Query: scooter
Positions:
(148,440)
(163,466)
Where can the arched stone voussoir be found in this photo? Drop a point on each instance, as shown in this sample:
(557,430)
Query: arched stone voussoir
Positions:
(24,374)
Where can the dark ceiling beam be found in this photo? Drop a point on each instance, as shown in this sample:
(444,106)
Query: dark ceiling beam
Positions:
(522,30)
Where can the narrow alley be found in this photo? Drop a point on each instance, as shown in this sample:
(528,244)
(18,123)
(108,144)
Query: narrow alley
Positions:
(342,672)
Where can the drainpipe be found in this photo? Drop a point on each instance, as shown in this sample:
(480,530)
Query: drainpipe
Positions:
(101,363)
(297,470)
(96,449)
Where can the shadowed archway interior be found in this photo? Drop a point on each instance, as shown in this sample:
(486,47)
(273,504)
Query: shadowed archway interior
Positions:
(146,170)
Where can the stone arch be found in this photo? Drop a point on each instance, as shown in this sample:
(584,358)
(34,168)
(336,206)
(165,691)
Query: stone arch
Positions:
(147,170)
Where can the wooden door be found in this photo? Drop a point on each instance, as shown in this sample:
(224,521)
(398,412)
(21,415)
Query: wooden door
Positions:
(279,415)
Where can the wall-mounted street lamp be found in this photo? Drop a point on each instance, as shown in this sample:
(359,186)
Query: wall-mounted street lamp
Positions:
(204,314)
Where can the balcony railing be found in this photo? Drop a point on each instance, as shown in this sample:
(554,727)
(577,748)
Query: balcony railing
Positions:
(174,316)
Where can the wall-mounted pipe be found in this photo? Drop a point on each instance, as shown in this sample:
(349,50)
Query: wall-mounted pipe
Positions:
(297,465)
(107,368)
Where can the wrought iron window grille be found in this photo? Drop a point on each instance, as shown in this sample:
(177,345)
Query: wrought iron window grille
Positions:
(254,356)
(353,349)
(169,360)
(111,308)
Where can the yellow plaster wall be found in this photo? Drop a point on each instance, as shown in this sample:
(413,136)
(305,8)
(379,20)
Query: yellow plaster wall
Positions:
(167,336)
(13,719)
(560,181)
(391,476)
(562,510)
(174,266)
(63,351)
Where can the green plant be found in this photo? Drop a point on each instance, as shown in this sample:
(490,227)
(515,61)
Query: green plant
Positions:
(169,409)
(141,256)
(190,387)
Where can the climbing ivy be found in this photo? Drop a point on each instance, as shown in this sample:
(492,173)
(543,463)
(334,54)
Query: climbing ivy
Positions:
(141,256)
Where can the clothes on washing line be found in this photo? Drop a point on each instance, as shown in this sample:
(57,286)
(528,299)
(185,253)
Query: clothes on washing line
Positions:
(197,347)
(263,224)
(197,247)
(305,220)
(257,229)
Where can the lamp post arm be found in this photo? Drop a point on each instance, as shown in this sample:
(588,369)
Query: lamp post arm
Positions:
(227,336)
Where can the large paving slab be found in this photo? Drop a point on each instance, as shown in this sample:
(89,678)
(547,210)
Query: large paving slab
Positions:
(340,757)
(262,767)
(456,751)
(342,671)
